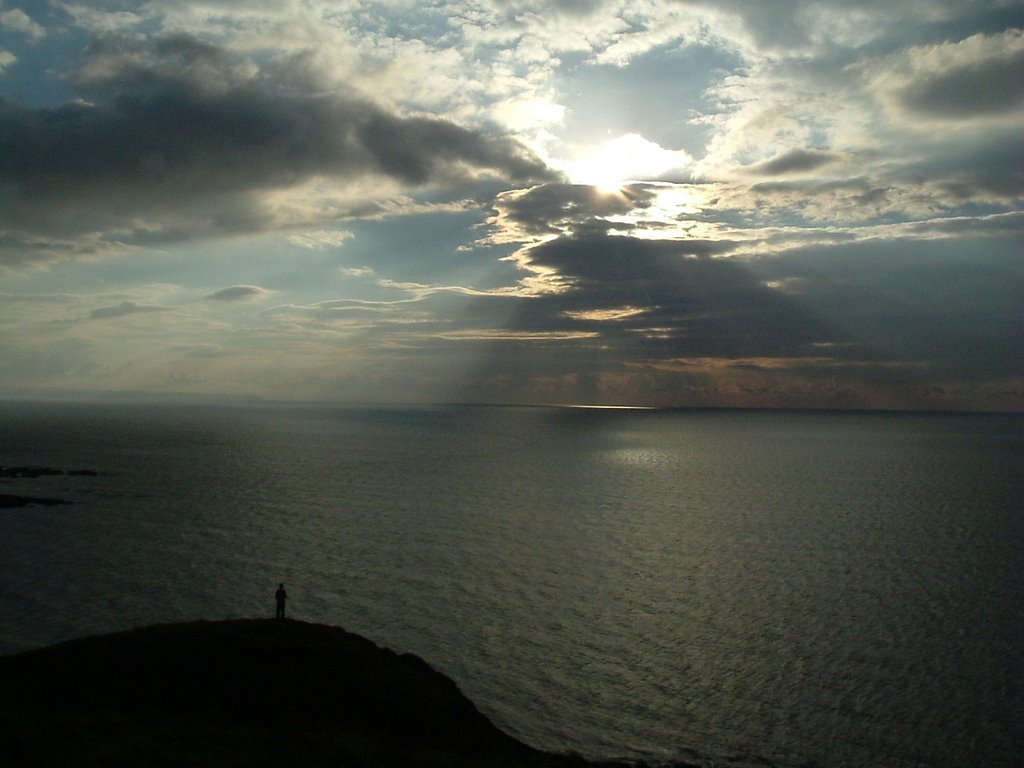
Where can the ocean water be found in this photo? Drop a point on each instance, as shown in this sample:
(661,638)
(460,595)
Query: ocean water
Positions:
(727,588)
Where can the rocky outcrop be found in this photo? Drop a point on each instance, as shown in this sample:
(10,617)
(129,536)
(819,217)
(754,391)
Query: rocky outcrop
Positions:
(8,501)
(33,472)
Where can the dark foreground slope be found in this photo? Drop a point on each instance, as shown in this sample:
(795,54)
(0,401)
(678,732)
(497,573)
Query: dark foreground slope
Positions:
(234,693)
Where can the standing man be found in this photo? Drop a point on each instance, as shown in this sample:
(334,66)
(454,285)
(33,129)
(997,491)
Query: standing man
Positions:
(281,596)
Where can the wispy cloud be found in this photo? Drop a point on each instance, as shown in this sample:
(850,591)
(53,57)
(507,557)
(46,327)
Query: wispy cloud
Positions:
(320,239)
(239,293)
(124,308)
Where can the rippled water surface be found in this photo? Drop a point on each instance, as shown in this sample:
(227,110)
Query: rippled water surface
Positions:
(835,589)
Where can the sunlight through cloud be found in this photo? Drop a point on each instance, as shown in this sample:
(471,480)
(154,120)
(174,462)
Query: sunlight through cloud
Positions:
(626,158)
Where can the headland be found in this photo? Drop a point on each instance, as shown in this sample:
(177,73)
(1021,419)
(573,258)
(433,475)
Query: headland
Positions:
(252,692)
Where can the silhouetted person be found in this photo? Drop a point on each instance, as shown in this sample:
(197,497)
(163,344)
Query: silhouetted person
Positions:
(281,596)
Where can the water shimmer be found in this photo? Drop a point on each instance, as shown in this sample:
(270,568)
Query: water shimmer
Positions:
(839,589)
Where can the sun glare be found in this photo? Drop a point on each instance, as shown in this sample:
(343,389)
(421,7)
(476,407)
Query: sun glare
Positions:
(627,158)
(612,407)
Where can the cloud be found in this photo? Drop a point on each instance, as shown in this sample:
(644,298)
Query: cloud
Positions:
(550,209)
(320,239)
(793,162)
(17,20)
(358,272)
(979,77)
(7,59)
(177,135)
(826,210)
(870,310)
(630,156)
(124,308)
(238,293)
(42,298)
(660,298)
(101,20)
(685,330)
(798,28)
(200,350)
(573,8)
(1007,224)
(954,309)
(19,250)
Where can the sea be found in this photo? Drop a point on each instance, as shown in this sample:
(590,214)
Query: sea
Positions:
(721,588)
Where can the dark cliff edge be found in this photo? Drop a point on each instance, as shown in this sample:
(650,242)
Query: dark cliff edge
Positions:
(242,693)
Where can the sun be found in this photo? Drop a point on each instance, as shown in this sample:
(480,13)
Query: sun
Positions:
(603,168)
(630,157)
(610,186)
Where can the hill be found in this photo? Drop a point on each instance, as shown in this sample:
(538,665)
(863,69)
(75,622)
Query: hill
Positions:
(243,693)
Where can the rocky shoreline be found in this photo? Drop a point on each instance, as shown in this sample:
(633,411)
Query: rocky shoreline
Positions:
(12,500)
(9,501)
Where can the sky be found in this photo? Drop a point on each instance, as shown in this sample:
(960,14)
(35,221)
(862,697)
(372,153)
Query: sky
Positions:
(597,202)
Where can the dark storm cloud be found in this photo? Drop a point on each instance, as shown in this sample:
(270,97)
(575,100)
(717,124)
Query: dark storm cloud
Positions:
(794,161)
(609,261)
(880,314)
(124,308)
(927,301)
(549,208)
(172,127)
(648,298)
(667,299)
(237,293)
